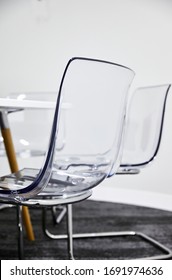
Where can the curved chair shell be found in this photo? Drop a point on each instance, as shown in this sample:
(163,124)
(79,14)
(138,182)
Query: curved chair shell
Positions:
(96,91)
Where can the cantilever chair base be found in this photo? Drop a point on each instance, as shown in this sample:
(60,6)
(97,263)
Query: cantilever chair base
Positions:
(124,171)
(44,203)
(166,252)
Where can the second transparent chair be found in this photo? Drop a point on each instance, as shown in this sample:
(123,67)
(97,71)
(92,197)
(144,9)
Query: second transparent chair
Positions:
(96,92)
(142,139)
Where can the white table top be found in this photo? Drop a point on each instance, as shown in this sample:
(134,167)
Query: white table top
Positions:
(8,104)
(11,104)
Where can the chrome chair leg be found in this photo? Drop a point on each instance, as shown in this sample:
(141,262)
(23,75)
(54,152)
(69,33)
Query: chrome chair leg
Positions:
(167,253)
(19,228)
(20,232)
(68,236)
(58,213)
(70,231)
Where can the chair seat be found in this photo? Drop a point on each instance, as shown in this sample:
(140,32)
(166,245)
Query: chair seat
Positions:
(128,171)
(48,197)
(57,200)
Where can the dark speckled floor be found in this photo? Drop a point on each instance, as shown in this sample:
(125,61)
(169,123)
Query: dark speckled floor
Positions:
(90,216)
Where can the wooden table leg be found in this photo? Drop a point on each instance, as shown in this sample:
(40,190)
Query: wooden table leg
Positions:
(6,134)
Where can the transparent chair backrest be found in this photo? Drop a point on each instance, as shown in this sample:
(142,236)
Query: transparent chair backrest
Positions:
(144,125)
(31,128)
(96,94)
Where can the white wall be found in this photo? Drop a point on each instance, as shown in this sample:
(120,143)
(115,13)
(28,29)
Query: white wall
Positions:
(38,37)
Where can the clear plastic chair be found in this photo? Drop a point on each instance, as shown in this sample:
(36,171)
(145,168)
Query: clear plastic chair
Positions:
(144,127)
(96,92)
(142,139)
